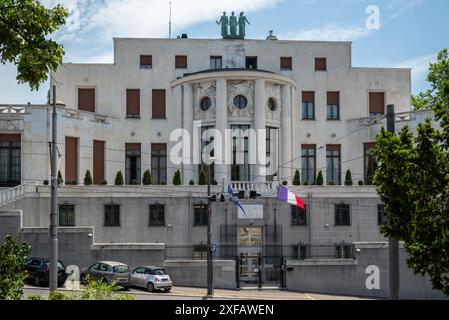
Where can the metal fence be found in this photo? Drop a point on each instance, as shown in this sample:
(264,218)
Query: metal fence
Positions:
(232,251)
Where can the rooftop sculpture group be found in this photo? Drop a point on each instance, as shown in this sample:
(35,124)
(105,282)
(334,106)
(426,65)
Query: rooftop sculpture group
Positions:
(230,24)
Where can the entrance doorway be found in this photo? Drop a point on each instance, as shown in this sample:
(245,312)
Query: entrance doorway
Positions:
(249,241)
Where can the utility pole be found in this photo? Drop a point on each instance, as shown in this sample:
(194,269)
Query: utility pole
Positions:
(393,244)
(169,23)
(54,204)
(210,268)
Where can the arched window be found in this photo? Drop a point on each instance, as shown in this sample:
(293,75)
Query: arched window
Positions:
(205,103)
(272,104)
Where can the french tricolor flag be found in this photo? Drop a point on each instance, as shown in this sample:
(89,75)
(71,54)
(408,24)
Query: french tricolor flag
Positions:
(285,195)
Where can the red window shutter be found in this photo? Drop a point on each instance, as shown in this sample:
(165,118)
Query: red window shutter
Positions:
(369,145)
(333,147)
(146,60)
(71,159)
(132,147)
(333,98)
(86,100)
(132,102)
(308,146)
(377,102)
(10,138)
(98,162)
(158,147)
(158,104)
(320,64)
(308,96)
(181,62)
(286,63)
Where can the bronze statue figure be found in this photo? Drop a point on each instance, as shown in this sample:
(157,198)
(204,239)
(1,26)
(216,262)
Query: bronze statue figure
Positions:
(224,24)
(242,24)
(233,25)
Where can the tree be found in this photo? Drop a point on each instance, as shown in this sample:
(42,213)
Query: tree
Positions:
(202,178)
(25,26)
(119,179)
(319,179)
(413,182)
(297,178)
(88,178)
(146,179)
(348,178)
(60,180)
(177,178)
(13,259)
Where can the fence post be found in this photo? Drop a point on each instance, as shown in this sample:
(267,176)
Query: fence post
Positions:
(237,271)
(282,272)
(259,271)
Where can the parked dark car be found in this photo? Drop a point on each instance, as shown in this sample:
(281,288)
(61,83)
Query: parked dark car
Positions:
(108,271)
(39,271)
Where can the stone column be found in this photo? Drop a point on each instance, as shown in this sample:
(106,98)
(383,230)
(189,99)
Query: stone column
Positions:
(221,117)
(259,168)
(187,124)
(286,135)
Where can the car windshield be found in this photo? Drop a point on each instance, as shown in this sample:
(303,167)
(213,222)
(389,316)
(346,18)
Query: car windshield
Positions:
(60,266)
(159,272)
(121,269)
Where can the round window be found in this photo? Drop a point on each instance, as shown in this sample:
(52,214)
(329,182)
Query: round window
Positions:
(205,103)
(272,104)
(240,102)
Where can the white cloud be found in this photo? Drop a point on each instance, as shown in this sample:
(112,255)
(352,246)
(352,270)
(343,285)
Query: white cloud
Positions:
(399,7)
(331,32)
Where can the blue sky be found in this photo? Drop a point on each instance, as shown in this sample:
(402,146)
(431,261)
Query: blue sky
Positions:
(411,32)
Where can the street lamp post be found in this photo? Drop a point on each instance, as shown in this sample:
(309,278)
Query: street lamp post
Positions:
(210,268)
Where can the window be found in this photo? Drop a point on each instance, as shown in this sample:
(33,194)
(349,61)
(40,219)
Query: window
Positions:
(370,163)
(272,141)
(272,105)
(299,217)
(157,215)
(71,160)
(215,62)
(308,105)
(286,63)
(10,159)
(205,103)
(333,105)
(66,215)
(299,252)
(158,104)
(308,162)
(146,62)
(240,169)
(240,102)
(181,62)
(206,139)
(112,215)
(381,215)
(132,103)
(86,99)
(320,64)
(200,215)
(251,62)
(333,164)
(159,163)
(376,103)
(98,162)
(344,251)
(342,215)
(132,163)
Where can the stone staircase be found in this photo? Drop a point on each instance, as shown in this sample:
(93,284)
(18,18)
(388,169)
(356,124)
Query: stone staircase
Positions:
(11,195)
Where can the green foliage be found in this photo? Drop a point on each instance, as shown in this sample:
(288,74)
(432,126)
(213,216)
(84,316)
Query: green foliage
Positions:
(214,182)
(26,26)
(134,182)
(297,179)
(319,179)
(60,180)
(331,183)
(104,183)
(202,178)
(413,182)
(360,182)
(34,297)
(13,258)
(146,180)
(348,178)
(177,178)
(119,179)
(285,182)
(46,183)
(306,183)
(191,182)
(88,178)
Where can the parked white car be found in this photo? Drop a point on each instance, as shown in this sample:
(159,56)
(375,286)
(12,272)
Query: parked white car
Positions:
(152,278)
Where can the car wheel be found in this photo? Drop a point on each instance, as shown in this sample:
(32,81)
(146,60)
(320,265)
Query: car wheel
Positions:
(150,287)
(167,289)
(37,281)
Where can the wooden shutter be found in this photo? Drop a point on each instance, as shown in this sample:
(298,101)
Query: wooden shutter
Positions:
(369,145)
(308,96)
(158,104)
(98,160)
(377,102)
(308,146)
(320,64)
(333,147)
(156,147)
(132,148)
(146,60)
(286,63)
(10,137)
(181,62)
(71,159)
(132,102)
(86,99)
(333,98)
